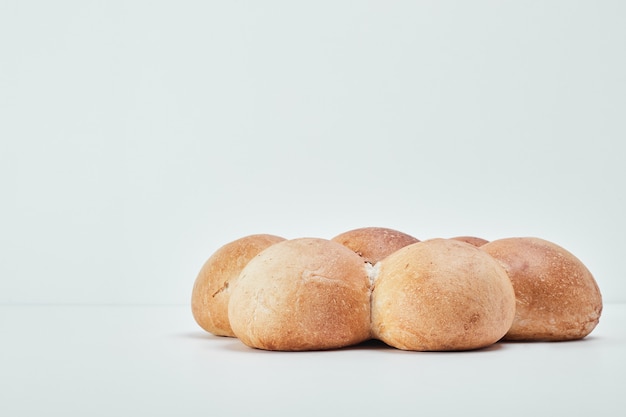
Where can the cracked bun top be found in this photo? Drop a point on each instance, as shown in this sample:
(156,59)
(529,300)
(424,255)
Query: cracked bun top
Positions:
(211,290)
(302,294)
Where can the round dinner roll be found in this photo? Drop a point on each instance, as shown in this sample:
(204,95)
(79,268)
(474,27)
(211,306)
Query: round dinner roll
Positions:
(441,295)
(472,240)
(302,294)
(374,243)
(211,290)
(557,297)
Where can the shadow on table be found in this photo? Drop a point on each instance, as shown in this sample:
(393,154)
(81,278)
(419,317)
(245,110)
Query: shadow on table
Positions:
(587,339)
(235,345)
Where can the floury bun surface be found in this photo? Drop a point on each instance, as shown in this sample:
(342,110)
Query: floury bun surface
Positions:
(302,294)
(441,295)
(211,290)
(557,297)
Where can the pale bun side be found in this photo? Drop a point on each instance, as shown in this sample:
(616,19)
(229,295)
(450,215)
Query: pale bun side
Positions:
(302,294)
(557,296)
(211,290)
(441,295)
(472,240)
(374,243)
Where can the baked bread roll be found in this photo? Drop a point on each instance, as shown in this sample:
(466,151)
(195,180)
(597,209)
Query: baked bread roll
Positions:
(557,297)
(302,294)
(211,290)
(472,240)
(374,243)
(441,295)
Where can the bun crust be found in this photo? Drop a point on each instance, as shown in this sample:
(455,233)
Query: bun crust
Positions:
(472,240)
(441,295)
(374,243)
(302,294)
(211,290)
(557,297)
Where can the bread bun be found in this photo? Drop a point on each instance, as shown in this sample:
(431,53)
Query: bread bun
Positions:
(472,240)
(211,290)
(374,243)
(557,297)
(302,294)
(441,295)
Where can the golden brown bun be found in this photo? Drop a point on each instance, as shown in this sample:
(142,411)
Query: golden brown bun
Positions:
(374,243)
(302,294)
(211,290)
(557,297)
(441,294)
(472,240)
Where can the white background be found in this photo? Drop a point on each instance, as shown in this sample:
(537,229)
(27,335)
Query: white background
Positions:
(138,137)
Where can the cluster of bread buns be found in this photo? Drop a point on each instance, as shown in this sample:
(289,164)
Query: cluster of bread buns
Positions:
(377,283)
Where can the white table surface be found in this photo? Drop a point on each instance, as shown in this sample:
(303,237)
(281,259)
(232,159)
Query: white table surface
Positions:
(155,361)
